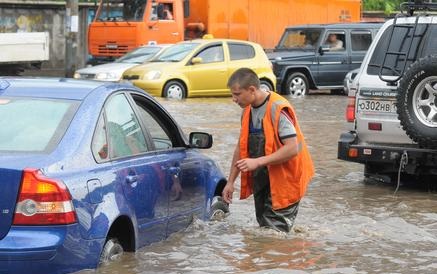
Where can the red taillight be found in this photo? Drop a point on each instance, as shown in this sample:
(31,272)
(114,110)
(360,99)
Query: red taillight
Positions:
(350,109)
(43,201)
(375,126)
(353,153)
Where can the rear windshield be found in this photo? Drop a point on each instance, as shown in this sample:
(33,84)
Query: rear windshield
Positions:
(33,125)
(424,43)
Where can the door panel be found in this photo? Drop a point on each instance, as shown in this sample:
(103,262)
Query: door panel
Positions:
(335,63)
(138,171)
(187,191)
(211,75)
(181,169)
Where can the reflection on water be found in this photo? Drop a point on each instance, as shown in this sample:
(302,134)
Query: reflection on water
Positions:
(344,225)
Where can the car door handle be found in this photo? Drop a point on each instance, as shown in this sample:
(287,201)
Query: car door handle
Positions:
(130,179)
(174,170)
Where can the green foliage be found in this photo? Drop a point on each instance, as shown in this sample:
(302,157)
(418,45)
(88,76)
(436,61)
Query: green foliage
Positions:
(387,6)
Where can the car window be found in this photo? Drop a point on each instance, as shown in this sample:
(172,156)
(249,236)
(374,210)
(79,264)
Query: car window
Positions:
(336,40)
(304,39)
(139,55)
(401,40)
(176,52)
(123,130)
(211,54)
(361,40)
(121,10)
(99,144)
(33,124)
(241,51)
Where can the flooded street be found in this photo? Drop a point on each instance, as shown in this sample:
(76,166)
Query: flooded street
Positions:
(343,225)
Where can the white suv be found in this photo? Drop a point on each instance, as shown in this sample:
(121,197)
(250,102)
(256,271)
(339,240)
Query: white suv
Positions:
(392,105)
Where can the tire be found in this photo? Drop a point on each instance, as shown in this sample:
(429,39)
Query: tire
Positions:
(297,85)
(112,251)
(219,209)
(265,85)
(416,102)
(175,90)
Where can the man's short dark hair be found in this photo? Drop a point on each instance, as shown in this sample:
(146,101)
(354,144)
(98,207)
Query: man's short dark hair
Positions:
(244,77)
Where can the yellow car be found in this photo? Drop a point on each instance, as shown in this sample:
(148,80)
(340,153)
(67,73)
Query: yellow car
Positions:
(200,68)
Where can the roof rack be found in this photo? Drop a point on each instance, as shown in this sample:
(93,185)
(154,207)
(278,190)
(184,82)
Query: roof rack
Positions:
(418,5)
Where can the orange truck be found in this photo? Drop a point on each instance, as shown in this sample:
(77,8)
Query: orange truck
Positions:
(122,25)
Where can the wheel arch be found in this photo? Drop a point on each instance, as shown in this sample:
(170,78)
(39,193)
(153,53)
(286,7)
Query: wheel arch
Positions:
(182,81)
(302,69)
(219,187)
(264,78)
(122,229)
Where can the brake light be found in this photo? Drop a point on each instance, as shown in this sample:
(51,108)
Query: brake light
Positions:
(350,109)
(43,201)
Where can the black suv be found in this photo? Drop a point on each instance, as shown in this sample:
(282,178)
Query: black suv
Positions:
(319,56)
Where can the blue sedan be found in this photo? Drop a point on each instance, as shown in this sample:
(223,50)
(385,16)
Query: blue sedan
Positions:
(89,170)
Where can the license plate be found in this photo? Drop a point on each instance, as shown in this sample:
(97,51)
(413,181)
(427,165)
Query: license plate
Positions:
(372,105)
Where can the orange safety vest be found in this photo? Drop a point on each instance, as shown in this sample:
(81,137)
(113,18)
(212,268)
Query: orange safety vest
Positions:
(288,180)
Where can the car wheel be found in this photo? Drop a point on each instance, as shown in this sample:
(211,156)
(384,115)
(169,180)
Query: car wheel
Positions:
(219,209)
(416,102)
(265,85)
(112,250)
(297,85)
(175,90)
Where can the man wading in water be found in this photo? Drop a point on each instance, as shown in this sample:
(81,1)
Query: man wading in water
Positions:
(271,154)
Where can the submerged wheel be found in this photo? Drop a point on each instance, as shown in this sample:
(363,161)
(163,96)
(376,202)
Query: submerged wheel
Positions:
(265,85)
(175,90)
(219,209)
(297,85)
(112,250)
(416,102)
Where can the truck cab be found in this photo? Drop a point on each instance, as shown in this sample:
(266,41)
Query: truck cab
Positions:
(122,25)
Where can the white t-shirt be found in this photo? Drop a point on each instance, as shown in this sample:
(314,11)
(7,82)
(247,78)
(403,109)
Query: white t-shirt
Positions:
(286,128)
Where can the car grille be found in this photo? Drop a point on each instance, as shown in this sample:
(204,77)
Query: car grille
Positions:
(113,50)
(87,76)
(131,77)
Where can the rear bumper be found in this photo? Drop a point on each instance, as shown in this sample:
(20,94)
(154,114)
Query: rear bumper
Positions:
(384,154)
(57,249)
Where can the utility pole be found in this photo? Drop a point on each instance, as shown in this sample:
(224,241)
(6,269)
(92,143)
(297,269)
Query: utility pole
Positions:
(71,35)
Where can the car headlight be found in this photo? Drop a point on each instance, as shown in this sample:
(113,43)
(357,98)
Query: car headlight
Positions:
(153,75)
(107,76)
(76,75)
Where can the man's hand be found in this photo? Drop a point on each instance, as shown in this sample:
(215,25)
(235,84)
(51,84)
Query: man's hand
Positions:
(227,193)
(247,164)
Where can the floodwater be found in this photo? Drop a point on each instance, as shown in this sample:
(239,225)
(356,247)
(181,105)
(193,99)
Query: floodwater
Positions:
(344,225)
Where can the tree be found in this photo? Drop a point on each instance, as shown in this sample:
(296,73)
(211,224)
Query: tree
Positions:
(387,6)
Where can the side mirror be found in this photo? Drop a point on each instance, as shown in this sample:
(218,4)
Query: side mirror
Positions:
(200,140)
(323,49)
(196,60)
